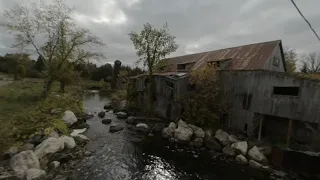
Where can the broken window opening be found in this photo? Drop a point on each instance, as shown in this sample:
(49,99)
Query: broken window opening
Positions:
(181,67)
(246,101)
(170,84)
(289,91)
(276,61)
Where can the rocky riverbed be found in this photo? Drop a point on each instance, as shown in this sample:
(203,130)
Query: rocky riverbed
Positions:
(110,144)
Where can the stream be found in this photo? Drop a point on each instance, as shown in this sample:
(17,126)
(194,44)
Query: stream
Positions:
(116,157)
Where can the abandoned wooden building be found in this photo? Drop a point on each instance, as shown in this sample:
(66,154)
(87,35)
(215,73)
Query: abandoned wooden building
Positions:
(264,99)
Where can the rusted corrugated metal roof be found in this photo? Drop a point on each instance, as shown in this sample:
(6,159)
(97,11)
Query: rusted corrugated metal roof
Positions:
(246,57)
(156,74)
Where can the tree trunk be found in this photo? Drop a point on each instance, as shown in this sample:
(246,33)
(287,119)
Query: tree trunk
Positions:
(62,86)
(47,87)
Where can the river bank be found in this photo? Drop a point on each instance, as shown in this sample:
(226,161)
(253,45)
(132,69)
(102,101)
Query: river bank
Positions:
(132,152)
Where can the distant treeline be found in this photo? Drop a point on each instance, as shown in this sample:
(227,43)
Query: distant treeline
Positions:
(34,68)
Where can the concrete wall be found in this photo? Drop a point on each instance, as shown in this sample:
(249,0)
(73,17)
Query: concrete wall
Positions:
(269,65)
(305,106)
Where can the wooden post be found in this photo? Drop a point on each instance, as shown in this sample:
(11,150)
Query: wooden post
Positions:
(260,128)
(289,133)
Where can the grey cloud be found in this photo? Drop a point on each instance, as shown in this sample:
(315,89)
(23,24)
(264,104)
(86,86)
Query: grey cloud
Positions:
(198,25)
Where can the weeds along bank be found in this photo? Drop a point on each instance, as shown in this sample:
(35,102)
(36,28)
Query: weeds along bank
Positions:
(24,113)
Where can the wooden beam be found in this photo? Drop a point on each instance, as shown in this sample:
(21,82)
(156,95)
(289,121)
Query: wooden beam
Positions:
(260,128)
(289,133)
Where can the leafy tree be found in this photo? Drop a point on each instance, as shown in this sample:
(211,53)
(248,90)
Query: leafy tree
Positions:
(20,73)
(40,66)
(291,59)
(203,105)
(152,46)
(65,44)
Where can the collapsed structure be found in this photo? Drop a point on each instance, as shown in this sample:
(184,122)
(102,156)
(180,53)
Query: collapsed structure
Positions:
(264,99)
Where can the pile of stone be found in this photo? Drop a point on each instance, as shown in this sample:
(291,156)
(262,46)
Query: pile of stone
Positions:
(43,157)
(221,141)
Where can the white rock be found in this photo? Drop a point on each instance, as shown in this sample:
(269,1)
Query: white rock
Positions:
(172,125)
(182,124)
(183,133)
(199,133)
(48,146)
(241,146)
(83,137)
(33,174)
(69,118)
(193,127)
(240,158)
(208,133)
(54,164)
(254,164)
(228,151)
(54,134)
(68,142)
(167,132)
(23,161)
(223,137)
(233,139)
(255,154)
(142,125)
(76,132)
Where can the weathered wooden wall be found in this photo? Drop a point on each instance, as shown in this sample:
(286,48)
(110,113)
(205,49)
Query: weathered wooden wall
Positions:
(259,84)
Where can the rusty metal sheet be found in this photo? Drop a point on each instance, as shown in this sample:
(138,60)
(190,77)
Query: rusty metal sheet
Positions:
(247,57)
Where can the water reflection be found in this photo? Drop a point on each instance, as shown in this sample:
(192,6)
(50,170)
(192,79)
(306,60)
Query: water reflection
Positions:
(158,169)
(117,158)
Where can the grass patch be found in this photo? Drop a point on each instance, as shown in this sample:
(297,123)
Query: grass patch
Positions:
(24,113)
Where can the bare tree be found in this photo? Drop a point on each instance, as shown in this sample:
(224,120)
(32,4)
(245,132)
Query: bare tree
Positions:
(49,31)
(311,62)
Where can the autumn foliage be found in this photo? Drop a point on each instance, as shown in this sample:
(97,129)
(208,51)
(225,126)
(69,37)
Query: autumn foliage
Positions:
(204,105)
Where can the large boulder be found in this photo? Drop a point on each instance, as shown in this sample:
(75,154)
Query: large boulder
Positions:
(26,147)
(168,132)
(240,147)
(122,115)
(69,118)
(255,164)
(229,151)
(240,158)
(223,137)
(35,174)
(68,142)
(101,114)
(212,144)
(23,161)
(115,128)
(198,142)
(255,154)
(183,133)
(233,139)
(130,120)
(142,127)
(199,133)
(49,146)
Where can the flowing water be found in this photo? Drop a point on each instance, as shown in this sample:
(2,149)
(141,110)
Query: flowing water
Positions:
(116,157)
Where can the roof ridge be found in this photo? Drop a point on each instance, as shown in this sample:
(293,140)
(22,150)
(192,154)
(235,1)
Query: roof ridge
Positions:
(226,48)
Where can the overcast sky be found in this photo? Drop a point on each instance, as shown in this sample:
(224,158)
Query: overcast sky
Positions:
(199,25)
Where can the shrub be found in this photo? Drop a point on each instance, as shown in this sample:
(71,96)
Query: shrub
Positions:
(203,105)
(20,72)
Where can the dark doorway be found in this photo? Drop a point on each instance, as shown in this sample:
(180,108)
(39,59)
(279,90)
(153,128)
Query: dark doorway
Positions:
(169,111)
